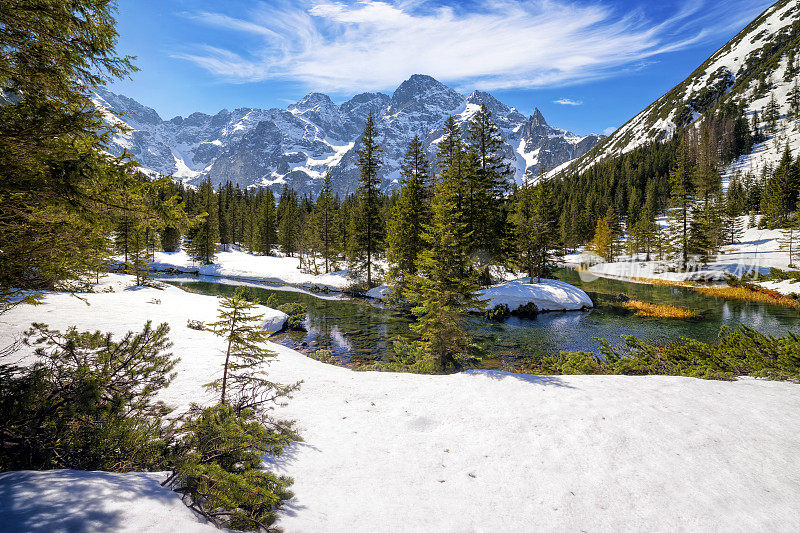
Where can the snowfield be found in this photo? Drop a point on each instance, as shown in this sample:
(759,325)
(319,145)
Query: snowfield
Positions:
(246,266)
(475,451)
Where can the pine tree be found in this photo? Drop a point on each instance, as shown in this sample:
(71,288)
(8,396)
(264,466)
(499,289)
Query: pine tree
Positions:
(266,231)
(771,115)
(487,183)
(201,242)
(409,215)
(615,227)
(791,66)
(794,101)
(442,291)
(643,237)
(367,228)
(601,242)
(290,221)
(324,223)
(681,201)
(242,384)
(780,192)
(735,205)
(534,230)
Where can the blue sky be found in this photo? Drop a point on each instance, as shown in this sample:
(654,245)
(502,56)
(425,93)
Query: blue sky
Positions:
(589,65)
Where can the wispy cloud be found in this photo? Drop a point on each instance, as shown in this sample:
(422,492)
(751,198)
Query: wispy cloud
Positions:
(567,101)
(371,44)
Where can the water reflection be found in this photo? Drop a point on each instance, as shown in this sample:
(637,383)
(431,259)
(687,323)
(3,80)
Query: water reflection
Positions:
(358,332)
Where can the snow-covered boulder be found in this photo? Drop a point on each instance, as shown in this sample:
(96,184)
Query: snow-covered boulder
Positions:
(547,294)
(274,320)
(378,293)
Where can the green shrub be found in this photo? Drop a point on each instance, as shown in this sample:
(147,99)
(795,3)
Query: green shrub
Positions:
(739,352)
(324,356)
(218,467)
(297,315)
(500,312)
(87,402)
(529,310)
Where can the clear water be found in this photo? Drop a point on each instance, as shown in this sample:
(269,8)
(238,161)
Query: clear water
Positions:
(358,332)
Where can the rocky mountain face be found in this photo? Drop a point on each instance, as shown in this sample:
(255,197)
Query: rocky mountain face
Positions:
(748,71)
(299,144)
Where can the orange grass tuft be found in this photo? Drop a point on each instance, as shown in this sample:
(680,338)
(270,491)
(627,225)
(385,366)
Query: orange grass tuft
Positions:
(649,310)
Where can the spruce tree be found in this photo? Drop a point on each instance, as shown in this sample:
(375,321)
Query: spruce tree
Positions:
(367,228)
(324,224)
(534,229)
(755,126)
(780,193)
(681,201)
(242,384)
(202,238)
(794,101)
(290,222)
(266,231)
(791,66)
(643,237)
(56,173)
(408,215)
(615,227)
(789,234)
(442,291)
(487,183)
(735,206)
(771,115)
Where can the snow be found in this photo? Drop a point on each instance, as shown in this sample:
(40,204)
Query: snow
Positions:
(758,250)
(547,294)
(378,293)
(73,501)
(475,451)
(242,265)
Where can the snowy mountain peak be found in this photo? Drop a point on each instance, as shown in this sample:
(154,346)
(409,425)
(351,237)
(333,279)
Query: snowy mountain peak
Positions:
(537,119)
(421,91)
(506,116)
(315,101)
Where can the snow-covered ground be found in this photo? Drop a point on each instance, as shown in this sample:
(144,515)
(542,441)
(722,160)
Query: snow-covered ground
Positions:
(758,251)
(547,294)
(476,451)
(66,501)
(246,266)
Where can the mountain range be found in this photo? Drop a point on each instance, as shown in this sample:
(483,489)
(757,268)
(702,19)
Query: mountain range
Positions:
(748,71)
(299,144)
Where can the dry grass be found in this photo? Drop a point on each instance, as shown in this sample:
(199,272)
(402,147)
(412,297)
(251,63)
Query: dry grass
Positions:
(666,282)
(749,294)
(649,310)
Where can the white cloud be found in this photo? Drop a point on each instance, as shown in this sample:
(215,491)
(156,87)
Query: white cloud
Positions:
(609,130)
(372,44)
(568,101)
